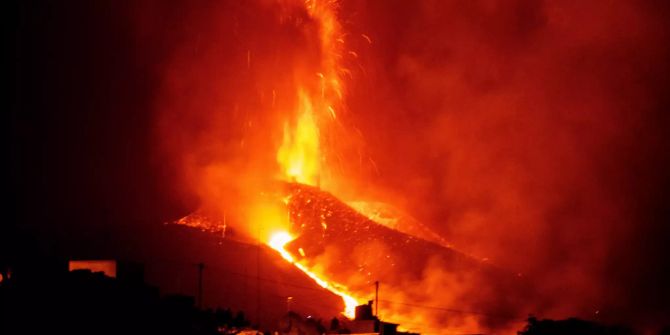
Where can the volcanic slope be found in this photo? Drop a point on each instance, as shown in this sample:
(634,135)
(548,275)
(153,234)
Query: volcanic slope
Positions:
(351,250)
(422,280)
(245,277)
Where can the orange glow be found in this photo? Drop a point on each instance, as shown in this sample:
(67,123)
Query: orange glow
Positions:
(299,153)
(318,96)
(108,267)
(279,240)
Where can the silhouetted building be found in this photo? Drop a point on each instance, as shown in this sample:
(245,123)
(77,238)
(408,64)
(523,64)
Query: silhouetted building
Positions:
(364,312)
(367,323)
(102,297)
(571,326)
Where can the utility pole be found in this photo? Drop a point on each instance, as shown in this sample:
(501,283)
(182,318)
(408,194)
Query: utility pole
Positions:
(201,267)
(258,280)
(377,298)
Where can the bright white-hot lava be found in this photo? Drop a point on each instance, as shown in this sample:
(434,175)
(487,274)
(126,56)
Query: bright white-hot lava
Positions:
(279,240)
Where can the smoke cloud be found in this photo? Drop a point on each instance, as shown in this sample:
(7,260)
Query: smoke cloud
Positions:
(529,133)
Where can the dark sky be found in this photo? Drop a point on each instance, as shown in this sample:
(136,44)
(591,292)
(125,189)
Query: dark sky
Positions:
(79,125)
(514,114)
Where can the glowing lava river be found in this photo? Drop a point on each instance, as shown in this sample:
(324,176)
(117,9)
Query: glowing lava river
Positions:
(279,240)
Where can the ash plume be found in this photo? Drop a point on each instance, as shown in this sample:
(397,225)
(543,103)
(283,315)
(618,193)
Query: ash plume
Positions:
(530,133)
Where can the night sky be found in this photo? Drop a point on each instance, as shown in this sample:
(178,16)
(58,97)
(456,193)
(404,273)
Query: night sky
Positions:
(80,123)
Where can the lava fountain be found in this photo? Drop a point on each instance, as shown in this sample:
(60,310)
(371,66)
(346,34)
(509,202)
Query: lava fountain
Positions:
(300,158)
(299,155)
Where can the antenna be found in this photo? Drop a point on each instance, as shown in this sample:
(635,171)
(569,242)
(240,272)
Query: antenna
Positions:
(377,298)
(258,279)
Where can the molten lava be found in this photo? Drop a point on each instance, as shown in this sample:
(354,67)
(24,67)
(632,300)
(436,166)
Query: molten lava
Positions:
(299,152)
(280,239)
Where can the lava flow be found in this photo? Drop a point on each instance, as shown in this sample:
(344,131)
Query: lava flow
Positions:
(279,240)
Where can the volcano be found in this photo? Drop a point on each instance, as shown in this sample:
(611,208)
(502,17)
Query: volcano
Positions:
(420,279)
(351,249)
